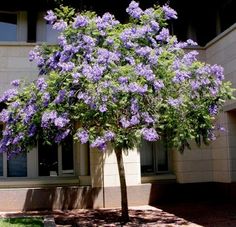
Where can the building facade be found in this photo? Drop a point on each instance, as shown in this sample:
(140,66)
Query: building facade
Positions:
(74,176)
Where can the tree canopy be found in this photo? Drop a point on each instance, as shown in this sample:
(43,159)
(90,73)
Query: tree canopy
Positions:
(121,82)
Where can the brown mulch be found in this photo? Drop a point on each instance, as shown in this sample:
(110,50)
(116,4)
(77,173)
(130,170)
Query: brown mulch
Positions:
(207,214)
(111,217)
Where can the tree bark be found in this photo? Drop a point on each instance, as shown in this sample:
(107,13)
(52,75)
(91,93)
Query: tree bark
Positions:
(123,188)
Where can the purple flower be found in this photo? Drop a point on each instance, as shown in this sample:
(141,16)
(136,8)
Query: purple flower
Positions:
(180,76)
(191,42)
(163,35)
(123,80)
(103,108)
(169,12)
(93,73)
(175,102)
(134,106)
(60,97)
(32,130)
(15,83)
(41,84)
(130,60)
(195,84)
(47,118)
(76,75)
(50,17)
(218,71)
(135,88)
(5,116)
(18,138)
(124,122)
(147,118)
(158,84)
(133,10)
(146,71)
(61,135)
(149,134)
(61,122)
(15,104)
(99,143)
(143,51)
(46,98)
(213,109)
(190,57)
(66,66)
(154,25)
(83,136)
(80,21)
(29,111)
(8,95)
(149,12)
(134,120)
(109,135)
(60,25)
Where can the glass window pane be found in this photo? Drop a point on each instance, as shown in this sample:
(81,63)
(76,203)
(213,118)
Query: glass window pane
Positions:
(17,166)
(8,25)
(147,159)
(161,156)
(67,156)
(47,159)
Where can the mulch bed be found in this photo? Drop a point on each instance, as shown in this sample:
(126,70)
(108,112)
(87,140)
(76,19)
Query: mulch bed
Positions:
(111,217)
(193,213)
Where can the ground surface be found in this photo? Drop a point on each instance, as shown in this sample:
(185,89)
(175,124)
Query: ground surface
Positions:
(190,214)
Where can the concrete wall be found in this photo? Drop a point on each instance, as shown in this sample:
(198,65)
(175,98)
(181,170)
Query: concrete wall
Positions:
(14,64)
(104,170)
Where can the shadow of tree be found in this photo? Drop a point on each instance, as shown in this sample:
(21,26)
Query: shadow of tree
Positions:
(61,198)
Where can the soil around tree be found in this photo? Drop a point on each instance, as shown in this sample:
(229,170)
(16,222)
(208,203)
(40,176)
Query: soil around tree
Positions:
(189,214)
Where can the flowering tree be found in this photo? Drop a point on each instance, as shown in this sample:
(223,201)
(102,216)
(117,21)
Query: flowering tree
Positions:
(121,82)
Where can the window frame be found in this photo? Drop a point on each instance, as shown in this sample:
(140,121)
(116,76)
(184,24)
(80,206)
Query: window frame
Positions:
(154,152)
(21,26)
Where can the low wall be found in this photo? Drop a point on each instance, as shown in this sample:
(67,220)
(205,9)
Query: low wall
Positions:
(62,198)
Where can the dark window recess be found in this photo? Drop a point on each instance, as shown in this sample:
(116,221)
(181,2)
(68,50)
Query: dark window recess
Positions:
(32,25)
(47,159)
(17,166)
(8,24)
(67,155)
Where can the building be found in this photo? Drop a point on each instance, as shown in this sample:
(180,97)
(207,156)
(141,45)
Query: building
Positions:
(74,176)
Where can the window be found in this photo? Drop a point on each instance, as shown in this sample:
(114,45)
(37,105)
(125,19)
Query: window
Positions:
(54,160)
(17,166)
(154,157)
(13,26)
(8,26)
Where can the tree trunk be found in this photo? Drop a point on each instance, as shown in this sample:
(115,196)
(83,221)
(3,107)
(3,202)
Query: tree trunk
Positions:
(123,188)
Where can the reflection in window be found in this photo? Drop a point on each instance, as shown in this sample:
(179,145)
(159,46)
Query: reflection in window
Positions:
(8,25)
(56,160)
(47,159)
(17,166)
(154,157)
